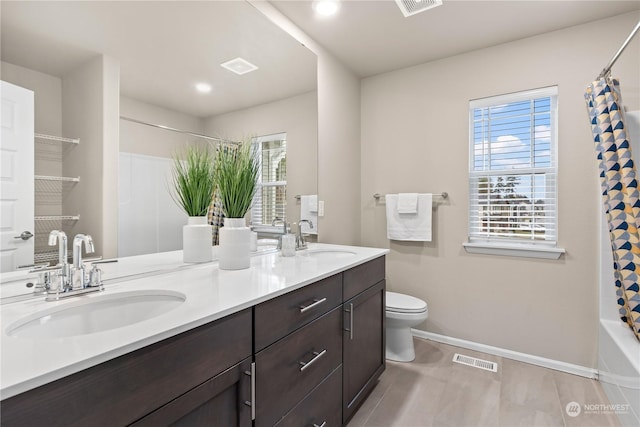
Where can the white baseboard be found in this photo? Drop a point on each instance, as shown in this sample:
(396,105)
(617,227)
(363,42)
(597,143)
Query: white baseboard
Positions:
(510,354)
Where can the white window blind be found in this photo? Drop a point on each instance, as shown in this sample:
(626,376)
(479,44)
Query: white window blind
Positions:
(270,200)
(513,168)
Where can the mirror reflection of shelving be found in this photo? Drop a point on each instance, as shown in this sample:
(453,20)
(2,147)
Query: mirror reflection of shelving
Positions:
(50,191)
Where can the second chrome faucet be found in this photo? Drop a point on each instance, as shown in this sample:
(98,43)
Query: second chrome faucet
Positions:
(72,278)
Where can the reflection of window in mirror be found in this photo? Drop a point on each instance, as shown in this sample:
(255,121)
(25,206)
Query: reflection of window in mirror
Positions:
(270,200)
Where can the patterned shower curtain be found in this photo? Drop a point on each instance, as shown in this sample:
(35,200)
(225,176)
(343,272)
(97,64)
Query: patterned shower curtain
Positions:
(215,214)
(620,193)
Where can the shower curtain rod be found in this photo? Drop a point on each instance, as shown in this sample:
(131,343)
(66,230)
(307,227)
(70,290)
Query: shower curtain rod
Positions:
(606,70)
(212,138)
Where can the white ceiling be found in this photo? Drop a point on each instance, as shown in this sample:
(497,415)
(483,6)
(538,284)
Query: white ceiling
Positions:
(164,48)
(372,37)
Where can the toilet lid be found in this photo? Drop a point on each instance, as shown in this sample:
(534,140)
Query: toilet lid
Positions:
(405,303)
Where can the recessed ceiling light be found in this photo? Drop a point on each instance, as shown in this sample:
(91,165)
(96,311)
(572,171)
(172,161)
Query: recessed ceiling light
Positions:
(326,7)
(239,66)
(203,87)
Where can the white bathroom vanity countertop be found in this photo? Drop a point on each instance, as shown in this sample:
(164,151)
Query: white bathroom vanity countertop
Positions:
(210,294)
(13,284)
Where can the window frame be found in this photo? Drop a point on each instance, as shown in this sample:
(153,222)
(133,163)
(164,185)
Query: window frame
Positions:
(257,144)
(503,245)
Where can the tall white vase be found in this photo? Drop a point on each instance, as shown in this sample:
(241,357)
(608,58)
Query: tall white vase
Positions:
(235,238)
(197,237)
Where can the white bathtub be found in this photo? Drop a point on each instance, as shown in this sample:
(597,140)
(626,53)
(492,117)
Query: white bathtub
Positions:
(619,369)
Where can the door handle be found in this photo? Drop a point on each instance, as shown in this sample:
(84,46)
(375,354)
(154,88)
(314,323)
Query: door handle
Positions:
(350,330)
(252,403)
(25,235)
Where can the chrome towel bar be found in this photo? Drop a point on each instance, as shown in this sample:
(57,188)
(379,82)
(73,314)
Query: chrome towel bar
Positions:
(444,195)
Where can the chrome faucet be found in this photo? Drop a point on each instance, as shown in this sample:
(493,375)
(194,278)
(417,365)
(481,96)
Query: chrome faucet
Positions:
(77,248)
(59,281)
(61,238)
(65,269)
(78,240)
(285,229)
(284,224)
(300,242)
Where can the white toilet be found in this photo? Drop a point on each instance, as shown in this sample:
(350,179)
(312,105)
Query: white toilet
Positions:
(402,313)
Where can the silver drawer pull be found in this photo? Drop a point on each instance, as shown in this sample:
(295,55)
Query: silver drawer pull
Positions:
(324,424)
(304,365)
(310,306)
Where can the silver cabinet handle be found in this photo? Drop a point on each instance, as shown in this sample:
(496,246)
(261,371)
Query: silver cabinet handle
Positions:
(350,330)
(321,425)
(252,374)
(317,356)
(315,303)
(25,235)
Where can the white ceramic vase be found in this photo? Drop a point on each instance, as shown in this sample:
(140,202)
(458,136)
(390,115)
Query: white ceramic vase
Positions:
(197,237)
(235,238)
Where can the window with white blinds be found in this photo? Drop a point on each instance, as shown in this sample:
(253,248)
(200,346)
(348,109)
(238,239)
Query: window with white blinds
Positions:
(270,200)
(513,168)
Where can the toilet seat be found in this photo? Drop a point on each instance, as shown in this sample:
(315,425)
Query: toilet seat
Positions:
(401,303)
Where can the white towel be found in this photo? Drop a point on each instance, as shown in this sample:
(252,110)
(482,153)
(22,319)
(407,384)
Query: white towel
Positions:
(408,203)
(412,227)
(309,211)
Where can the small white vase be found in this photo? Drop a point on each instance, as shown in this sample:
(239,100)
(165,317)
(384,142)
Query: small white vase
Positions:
(197,237)
(235,238)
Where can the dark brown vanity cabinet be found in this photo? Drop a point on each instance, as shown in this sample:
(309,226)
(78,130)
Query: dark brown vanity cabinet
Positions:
(170,377)
(308,357)
(320,349)
(303,348)
(364,334)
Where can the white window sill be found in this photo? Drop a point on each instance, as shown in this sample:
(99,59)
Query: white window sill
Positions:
(513,250)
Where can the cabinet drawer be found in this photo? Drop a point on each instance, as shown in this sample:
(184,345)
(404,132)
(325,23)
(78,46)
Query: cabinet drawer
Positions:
(321,407)
(362,277)
(289,369)
(278,317)
(123,390)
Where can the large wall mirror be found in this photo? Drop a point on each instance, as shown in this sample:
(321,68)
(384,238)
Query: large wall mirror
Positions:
(105,72)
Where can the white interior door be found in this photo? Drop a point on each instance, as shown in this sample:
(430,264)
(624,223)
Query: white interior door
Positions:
(16,178)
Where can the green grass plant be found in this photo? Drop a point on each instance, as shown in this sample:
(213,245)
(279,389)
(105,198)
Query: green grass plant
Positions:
(237,170)
(193,179)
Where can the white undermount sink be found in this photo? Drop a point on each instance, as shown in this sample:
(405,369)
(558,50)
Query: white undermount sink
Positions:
(327,253)
(97,314)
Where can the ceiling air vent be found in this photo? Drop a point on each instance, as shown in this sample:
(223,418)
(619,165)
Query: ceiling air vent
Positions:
(411,7)
(239,66)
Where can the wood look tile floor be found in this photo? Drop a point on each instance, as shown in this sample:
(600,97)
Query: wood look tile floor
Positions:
(433,391)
